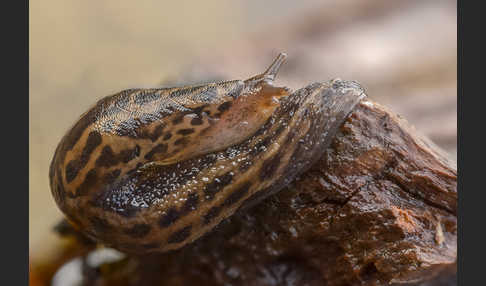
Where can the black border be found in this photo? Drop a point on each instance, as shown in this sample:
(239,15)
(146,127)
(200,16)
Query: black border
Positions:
(471,144)
(15,138)
(460,185)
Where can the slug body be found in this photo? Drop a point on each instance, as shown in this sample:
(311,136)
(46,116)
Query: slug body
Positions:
(149,170)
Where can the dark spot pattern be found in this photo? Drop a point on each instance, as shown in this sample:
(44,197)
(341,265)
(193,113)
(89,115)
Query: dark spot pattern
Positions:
(137,128)
(173,214)
(224,106)
(178,119)
(111,176)
(269,167)
(198,110)
(129,154)
(134,170)
(89,182)
(237,195)
(181,141)
(74,166)
(142,133)
(190,204)
(79,128)
(108,158)
(151,245)
(169,218)
(58,189)
(180,235)
(186,131)
(158,149)
(211,214)
(217,185)
(99,225)
(138,230)
(167,136)
(197,121)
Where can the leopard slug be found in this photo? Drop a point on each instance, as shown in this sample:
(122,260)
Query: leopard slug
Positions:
(152,170)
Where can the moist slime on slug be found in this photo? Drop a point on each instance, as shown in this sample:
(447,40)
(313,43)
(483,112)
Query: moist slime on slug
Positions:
(152,170)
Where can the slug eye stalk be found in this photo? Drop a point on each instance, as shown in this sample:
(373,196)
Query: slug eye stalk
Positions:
(272,70)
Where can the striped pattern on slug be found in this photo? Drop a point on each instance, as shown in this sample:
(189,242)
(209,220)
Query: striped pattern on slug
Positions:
(154,169)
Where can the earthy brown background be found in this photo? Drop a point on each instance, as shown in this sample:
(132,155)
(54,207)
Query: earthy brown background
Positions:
(402,52)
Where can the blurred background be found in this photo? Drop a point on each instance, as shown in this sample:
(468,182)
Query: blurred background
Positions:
(403,52)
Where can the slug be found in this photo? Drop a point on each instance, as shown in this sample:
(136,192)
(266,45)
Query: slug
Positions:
(152,170)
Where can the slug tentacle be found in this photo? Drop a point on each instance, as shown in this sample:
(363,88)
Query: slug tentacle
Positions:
(153,170)
(273,69)
(271,72)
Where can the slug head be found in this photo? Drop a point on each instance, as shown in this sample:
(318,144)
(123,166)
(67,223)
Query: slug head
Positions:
(239,116)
